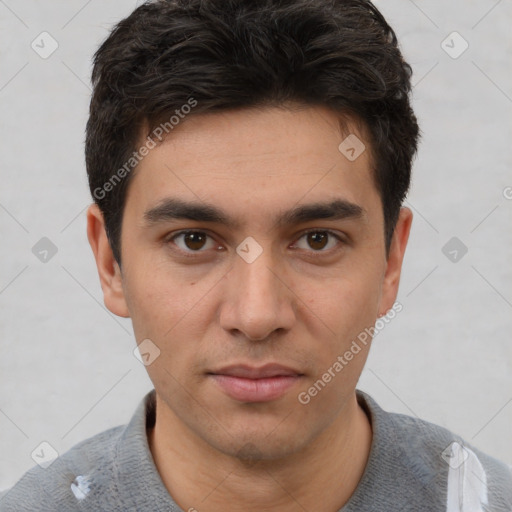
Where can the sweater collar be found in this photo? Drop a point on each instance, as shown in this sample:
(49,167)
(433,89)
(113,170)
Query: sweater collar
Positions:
(388,462)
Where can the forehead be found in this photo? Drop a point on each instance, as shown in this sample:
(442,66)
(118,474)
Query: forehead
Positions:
(255,158)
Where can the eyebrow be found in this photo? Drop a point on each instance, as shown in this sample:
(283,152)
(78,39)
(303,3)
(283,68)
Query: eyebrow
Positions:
(173,208)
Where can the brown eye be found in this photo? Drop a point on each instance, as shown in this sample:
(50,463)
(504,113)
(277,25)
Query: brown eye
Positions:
(319,241)
(192,241)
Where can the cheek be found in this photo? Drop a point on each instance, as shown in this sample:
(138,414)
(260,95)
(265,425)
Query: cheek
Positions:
(172,321)
(174,312)
(158,292)
(161,296)
(346,304)
(346,312)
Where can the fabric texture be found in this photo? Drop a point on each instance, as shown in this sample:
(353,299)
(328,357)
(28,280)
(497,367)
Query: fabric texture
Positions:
(413,466)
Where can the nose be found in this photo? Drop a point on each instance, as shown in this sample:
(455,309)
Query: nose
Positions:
(258,302)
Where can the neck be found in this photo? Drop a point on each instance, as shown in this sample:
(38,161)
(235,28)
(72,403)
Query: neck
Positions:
(199,477)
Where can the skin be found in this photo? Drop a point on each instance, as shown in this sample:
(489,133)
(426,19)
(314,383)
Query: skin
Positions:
(214,309)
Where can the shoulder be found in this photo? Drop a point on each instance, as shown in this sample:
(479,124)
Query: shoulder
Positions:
(440,445)
(470,472)
(63,483)
(441,460)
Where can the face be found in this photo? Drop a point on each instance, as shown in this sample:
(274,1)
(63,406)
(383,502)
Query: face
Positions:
(250,240)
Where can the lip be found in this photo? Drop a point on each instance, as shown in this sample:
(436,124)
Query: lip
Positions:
(252,372)
(250,384)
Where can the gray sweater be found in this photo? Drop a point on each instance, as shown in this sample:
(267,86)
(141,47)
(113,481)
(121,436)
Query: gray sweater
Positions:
(413,466)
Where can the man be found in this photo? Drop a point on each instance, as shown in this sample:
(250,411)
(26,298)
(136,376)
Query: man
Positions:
(248,163)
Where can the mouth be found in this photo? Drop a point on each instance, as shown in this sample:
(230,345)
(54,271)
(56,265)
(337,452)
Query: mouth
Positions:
(251,384)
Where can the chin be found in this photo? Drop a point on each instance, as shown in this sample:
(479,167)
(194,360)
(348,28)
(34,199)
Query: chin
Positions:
(263,445)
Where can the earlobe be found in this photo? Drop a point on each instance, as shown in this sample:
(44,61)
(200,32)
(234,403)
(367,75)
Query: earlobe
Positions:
(108,268)
(395,260)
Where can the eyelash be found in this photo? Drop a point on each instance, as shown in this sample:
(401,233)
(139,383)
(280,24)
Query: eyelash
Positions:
(194,254)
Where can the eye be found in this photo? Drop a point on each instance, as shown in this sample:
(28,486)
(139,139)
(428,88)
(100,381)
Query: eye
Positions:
(193,241)
(318,240)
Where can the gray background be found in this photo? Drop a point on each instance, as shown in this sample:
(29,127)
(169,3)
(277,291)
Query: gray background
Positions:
(67,369)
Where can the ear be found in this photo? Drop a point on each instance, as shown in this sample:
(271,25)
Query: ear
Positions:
(394,261)
(108,268)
